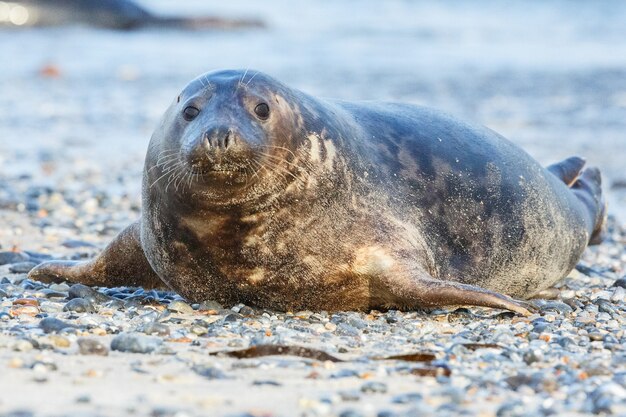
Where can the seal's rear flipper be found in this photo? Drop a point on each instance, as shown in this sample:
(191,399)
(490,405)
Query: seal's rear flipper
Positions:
(122,263)
(588,189)
(430,292)
(568,170)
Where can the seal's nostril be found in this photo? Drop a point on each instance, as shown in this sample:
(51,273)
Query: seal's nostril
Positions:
(227,140)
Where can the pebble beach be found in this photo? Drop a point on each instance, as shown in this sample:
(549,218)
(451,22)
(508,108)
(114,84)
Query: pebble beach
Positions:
(71,158)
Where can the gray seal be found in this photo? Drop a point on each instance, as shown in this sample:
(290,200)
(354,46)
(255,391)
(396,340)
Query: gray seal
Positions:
(110,14)
(257,193)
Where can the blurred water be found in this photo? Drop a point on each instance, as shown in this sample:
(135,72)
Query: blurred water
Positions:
(549,75)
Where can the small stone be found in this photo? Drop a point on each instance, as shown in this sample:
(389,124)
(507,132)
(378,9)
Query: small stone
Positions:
(407,398)
(60,341)
(48,293)
(135,343)
(349,395)
(210,305)
(83,399)
(596,336)
(13,257)
(606,397)
(331,327)
(26,302)
(347,330)
(52,325)
(532,356)
(232,317)
(79,305)
(210,372)
(22,345)
(621,283)
(267,382)
(246,311)
(619,295)
(73,244)
(546,306)
(350,413)
(92,347)
(22,267)
(512,408)
(156,328)
(88,293)
(199,330)
(387,413)
(374,387)
(59,287)
(180,307)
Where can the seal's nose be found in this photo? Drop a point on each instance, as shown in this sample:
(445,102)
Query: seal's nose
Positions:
(220,137)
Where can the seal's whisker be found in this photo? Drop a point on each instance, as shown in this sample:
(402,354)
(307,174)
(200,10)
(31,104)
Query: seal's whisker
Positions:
(283,169)
(258,169)
(243,77)
(252,78)
(280,148)
(190,180)
(158,179)
(165,155)
(277,160)
(175,172)
(167,170)
(164,163)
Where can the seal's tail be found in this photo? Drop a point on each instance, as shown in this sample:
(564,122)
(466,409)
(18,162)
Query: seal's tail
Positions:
(588,189)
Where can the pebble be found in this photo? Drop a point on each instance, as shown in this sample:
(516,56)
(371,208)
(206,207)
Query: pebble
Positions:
(13,257)
(92,347)
(79,305)
(209,372)
(546,306)
(22,267)
(54,325)
(61,288)
(618,295)
(210,305)
(156,328)
(532,356)
(621,283)
(407,398)
(374,387)
(351,413)
(60,341)
(135,343)
(180,307)
(87,293)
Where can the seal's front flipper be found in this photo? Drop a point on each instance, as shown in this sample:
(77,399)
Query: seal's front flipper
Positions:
(568,170)
(122,263)
(430,292)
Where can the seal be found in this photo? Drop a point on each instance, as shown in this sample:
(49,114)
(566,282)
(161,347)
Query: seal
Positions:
(257,193)
(111,14)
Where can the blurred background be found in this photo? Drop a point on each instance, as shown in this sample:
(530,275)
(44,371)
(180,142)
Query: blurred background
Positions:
(550,76)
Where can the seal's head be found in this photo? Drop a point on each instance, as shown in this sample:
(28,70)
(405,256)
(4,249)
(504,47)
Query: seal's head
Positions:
(227,131)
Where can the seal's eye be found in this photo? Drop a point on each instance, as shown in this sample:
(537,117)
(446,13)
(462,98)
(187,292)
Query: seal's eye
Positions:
(190,113)
(262,110)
